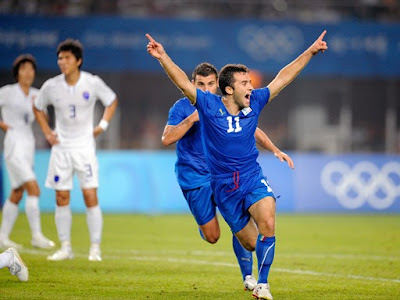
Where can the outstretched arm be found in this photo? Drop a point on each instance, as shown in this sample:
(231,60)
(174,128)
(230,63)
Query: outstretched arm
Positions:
(264,141)
(174,72)
(173,133)
(107,116)
(290,72)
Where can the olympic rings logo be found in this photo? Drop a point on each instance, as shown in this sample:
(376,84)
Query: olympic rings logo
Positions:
(365,182)
(270,42)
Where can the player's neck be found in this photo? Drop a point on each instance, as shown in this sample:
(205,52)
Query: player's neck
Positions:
(24,88)
(230,105)
(73,77)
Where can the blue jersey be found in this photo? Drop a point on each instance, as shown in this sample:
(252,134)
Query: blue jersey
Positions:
(229,142)
(191,169)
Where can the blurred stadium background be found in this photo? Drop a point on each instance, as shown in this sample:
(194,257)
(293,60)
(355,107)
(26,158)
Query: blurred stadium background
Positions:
(340,119)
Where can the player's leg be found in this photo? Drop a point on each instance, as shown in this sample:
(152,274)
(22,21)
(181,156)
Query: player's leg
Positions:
(263,212)
(11,259)
(94,220)
(86,166)
(245,260)
(59,178)
(33,214)
(63,218)
(202,205)
(9,216)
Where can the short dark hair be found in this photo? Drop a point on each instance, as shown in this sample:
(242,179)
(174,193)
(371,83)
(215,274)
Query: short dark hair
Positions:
(226,75)
(74,46)
(23,58)
(204,69)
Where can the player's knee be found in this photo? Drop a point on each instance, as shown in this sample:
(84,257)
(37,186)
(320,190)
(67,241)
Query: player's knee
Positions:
(267,227)
(249,245)
(62,199)
(212,236)
(16,195)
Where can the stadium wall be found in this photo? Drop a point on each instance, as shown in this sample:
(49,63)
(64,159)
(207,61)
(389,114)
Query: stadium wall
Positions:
(144,182)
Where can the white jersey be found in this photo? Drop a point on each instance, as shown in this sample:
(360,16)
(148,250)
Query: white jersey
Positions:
(16,108)
(74,107)
(19,142)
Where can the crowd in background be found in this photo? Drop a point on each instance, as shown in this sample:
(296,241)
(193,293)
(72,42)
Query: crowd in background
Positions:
(302,10)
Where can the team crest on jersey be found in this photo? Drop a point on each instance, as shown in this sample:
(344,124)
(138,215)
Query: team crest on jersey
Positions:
(246,110)
(221,112)
(86,95)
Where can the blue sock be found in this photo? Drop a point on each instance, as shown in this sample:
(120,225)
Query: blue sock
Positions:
(244,257)
(265,250)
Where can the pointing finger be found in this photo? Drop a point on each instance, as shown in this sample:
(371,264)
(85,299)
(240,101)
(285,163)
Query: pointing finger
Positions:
(321,37)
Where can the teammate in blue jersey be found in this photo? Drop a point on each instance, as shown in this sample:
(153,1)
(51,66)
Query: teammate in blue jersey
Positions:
(228,124)
(191,169)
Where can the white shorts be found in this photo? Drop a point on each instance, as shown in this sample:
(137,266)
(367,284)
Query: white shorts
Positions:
(65,163)
(19,152)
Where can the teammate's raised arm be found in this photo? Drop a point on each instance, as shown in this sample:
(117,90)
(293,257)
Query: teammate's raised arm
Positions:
(290,72)
(176,74)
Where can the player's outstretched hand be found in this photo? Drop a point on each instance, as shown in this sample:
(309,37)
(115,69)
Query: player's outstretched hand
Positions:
(282,156)
(153,48)
(319,44)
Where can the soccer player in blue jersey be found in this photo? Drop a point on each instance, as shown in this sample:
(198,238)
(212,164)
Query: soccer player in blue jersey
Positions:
(228,124)
(192,172)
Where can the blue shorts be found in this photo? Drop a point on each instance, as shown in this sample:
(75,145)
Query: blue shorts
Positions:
(201,203)
(234,195)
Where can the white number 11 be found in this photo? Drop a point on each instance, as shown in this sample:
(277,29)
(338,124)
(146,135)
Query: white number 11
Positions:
(230,129)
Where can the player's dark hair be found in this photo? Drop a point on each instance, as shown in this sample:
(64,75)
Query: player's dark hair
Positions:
(204,69)
(23,58)
(74,46)
(226,75)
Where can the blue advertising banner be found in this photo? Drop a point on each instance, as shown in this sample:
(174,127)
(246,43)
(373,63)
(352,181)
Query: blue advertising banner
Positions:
(144,182)
(119,44)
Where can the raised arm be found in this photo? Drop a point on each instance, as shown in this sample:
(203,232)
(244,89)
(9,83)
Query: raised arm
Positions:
(173,133)
(174,72)
(107,116)
(263,140)
(49,134)
(290,72)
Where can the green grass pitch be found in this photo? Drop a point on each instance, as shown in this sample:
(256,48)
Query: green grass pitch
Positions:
(163,257)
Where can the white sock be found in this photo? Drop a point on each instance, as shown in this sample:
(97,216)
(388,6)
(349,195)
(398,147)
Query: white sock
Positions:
(5,259)
(63,218)
(33,214)
(94,220)
(10,213)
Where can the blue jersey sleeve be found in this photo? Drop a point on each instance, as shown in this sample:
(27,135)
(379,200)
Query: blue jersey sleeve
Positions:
(176,114)
(259,98)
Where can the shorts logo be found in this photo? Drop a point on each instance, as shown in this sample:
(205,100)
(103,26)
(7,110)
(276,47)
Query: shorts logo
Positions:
(363,183)
(56,178)
(86,95)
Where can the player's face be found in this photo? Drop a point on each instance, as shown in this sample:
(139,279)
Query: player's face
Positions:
(68,63)
(26,74)
(242,89)
(206,84)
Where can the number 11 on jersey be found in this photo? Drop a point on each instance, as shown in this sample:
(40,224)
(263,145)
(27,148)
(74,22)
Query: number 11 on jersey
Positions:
(237,125)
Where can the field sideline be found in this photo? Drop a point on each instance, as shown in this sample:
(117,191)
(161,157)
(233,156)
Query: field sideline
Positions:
(163,257)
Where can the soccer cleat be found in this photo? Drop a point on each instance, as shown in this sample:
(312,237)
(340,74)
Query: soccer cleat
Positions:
(18,267)
(95,253)
(249,282)
(261,291)
(61,254)
(40,241)
(7,243)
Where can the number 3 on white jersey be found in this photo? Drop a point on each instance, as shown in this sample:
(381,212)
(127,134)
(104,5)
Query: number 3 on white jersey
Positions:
(230,129)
